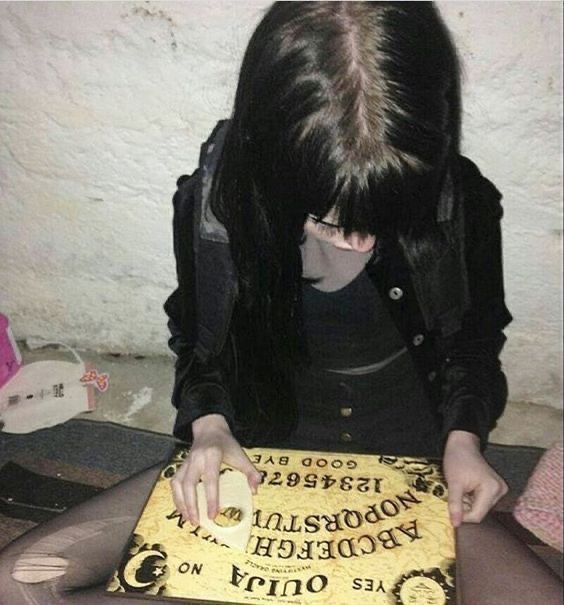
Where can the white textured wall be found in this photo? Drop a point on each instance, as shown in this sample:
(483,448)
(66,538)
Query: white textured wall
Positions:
(104,104)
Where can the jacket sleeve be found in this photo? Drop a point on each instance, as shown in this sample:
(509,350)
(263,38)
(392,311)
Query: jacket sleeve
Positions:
(473,385)
(200,386)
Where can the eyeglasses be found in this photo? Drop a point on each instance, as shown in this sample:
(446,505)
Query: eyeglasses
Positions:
(320,221)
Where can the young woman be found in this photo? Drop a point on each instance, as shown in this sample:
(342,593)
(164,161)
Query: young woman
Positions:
(339,288)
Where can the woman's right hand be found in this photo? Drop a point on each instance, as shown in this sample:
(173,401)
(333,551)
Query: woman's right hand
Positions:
(213,444)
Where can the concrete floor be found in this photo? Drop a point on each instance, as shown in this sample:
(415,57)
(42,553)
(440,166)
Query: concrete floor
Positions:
(140,388)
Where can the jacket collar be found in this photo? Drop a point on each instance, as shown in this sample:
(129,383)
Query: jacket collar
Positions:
(216,278)
(210,228)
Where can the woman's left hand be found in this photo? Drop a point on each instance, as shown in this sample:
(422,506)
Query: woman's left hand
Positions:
(473,486)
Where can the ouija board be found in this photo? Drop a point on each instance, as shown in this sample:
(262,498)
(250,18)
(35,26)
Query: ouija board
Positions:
(326,528)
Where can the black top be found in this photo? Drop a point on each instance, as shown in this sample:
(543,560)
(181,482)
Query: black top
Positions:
(361,392)
(350,327)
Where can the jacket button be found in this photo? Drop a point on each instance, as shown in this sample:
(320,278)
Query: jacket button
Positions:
(346,437)
(346,412)
(395,293)
(418,339)
(431,376)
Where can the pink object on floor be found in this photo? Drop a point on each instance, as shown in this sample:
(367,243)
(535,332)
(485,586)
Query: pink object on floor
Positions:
(10,357)
(100,381)
(539,508)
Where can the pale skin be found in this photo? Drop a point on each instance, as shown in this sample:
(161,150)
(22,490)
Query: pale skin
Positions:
(474,486)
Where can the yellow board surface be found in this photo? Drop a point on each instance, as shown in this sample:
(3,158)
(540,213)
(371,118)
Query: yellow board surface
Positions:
(327,528)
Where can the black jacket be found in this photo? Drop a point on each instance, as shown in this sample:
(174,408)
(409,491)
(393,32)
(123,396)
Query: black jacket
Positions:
(451,317)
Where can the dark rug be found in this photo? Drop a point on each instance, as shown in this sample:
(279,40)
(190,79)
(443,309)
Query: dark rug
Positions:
(43,473)
(105,446)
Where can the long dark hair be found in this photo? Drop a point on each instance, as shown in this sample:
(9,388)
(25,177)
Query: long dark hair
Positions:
(353,106)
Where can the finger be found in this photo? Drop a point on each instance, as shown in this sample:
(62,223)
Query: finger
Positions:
(482,502)
(189,493)
(211,487)
(493,494)
(466,502)
(178,496)
(455,504)
(239,459)
(176,489)
(502,489)
(254,478)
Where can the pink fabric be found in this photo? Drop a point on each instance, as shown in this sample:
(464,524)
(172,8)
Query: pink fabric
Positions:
(10,358)
(539,508)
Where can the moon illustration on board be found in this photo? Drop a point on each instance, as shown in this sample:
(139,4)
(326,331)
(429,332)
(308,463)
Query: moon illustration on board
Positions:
(136,563)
